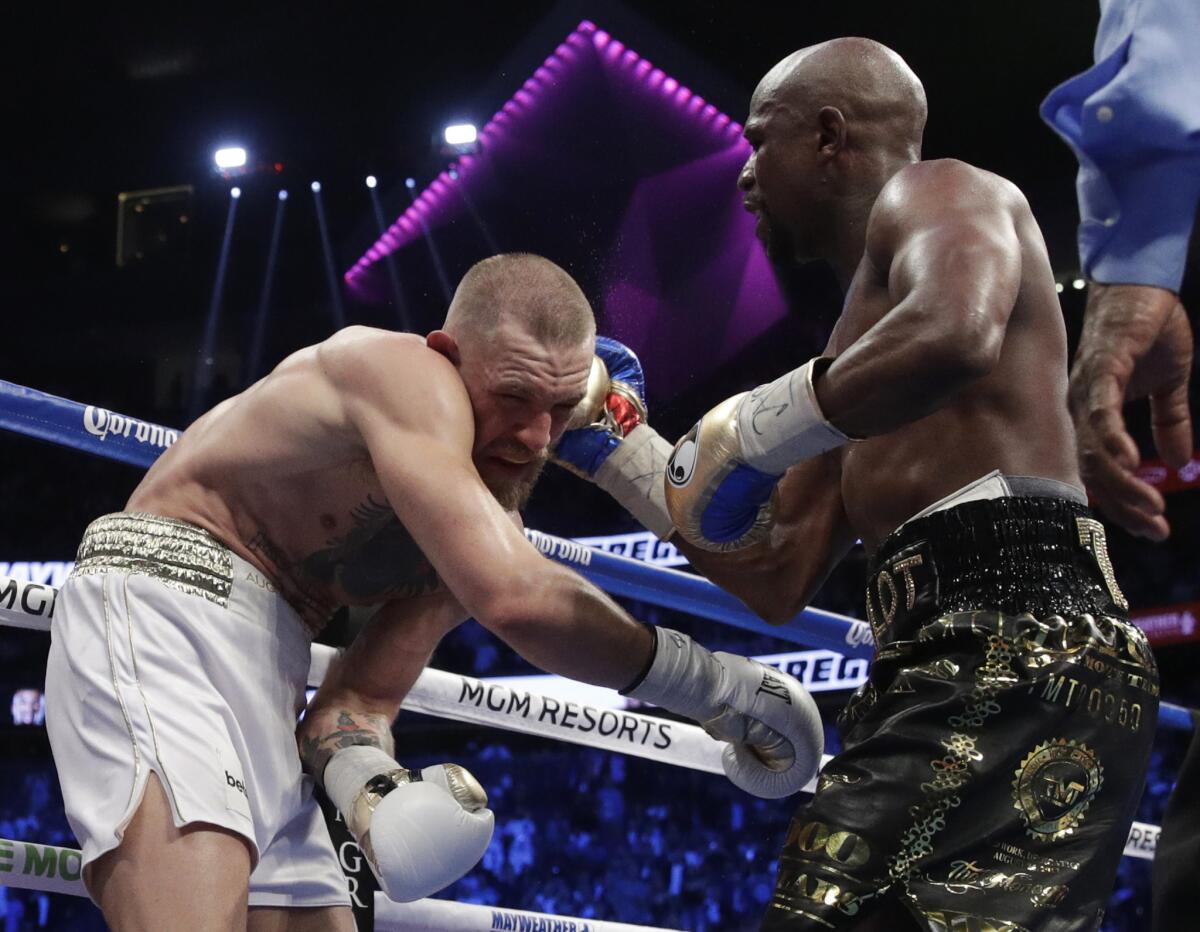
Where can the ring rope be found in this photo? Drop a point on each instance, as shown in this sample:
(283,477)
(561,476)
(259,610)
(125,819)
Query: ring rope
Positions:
(447,916)
(30,605)
(28,865)
(483,702)
(115,436)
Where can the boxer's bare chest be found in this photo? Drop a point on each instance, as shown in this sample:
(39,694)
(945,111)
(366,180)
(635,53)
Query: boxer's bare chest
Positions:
(334,539)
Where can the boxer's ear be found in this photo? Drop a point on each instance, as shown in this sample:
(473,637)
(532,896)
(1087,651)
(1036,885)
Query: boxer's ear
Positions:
(441,342)
(832,125)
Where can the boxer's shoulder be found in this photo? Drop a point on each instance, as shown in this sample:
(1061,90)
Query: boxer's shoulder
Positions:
(394,373)
(937,195)
(938,188)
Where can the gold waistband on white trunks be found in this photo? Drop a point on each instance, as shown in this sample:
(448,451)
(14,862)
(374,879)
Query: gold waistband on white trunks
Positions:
(178,554)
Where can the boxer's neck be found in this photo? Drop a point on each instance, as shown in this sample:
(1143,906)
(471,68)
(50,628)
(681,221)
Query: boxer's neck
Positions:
(847,237)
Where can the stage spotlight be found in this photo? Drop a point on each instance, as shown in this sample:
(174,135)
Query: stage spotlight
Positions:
(1079,284)
(316,187)
(283,194)
(231,157)
(410,183)
(371,181)
(235,193)
(1058,286)
(460,134)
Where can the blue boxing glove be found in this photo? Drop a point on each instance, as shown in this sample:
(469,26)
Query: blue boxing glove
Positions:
(722,475)
(609,443)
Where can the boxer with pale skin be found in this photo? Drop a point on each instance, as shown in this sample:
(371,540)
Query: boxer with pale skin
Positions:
(375,469)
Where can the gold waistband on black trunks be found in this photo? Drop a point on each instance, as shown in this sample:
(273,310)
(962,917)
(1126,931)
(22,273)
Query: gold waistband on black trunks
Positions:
(179,555)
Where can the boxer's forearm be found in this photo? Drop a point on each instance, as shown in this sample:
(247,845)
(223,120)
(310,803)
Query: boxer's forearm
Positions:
(562,624)
(340,722)
(902,371)
(779,576)
(362,692)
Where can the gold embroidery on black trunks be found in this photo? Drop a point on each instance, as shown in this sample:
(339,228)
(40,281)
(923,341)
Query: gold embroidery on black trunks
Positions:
(888,595)
(964,876)
(1054,786)
(945,920)
(1091,536)
(952,771)
(1099,703)
(817,866)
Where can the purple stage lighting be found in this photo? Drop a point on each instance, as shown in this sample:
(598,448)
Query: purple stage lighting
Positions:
(601,154)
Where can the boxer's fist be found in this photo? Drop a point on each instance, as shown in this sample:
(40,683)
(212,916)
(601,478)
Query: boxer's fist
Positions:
(722,475)
(420,831)
(770,721)
(614,405)
(714,498)
(608,441)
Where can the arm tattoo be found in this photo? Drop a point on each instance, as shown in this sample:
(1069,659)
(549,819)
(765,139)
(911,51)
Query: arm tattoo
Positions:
(352,728)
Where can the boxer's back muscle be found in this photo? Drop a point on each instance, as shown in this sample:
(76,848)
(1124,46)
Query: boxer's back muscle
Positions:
(280,476)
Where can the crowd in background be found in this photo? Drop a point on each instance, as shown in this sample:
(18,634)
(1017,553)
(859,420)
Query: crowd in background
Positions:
(579,833)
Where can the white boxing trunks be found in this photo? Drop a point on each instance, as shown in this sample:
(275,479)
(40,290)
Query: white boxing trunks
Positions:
(172,655)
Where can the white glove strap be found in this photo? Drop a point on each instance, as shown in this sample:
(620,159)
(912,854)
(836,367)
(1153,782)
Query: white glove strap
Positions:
(683,678)
(348,771)
(780,423)
(633,475)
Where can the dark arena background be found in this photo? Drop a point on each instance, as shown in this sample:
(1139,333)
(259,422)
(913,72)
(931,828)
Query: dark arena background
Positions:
(384,148)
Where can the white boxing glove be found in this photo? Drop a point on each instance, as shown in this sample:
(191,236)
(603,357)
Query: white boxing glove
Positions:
(420,831)
(772,724)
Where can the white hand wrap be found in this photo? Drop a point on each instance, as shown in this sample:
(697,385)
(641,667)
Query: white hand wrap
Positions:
(420,832)
(780,423)
(633,475)
(770,720)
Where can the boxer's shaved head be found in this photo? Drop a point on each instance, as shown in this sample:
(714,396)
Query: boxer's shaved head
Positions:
(829,125)
(525,289)
(873,87)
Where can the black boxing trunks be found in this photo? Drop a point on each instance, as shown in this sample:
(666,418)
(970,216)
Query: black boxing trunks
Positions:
(993,761)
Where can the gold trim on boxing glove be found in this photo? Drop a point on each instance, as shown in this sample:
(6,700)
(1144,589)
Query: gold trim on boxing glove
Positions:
(372,793)
(702,459)
(591,406)
(629,393)
(465,789)
(368,800)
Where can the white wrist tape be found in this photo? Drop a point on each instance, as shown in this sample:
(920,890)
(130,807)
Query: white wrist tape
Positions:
(780,423)
(633,475)
(349,770)
(684,677)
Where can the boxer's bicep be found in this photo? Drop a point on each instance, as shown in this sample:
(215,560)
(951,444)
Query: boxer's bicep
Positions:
(956,276)
(950,262)
(415,422)
(470,540)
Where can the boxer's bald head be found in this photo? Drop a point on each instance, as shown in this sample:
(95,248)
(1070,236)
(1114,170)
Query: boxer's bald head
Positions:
(829,124)
(521,334)
(871,85)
